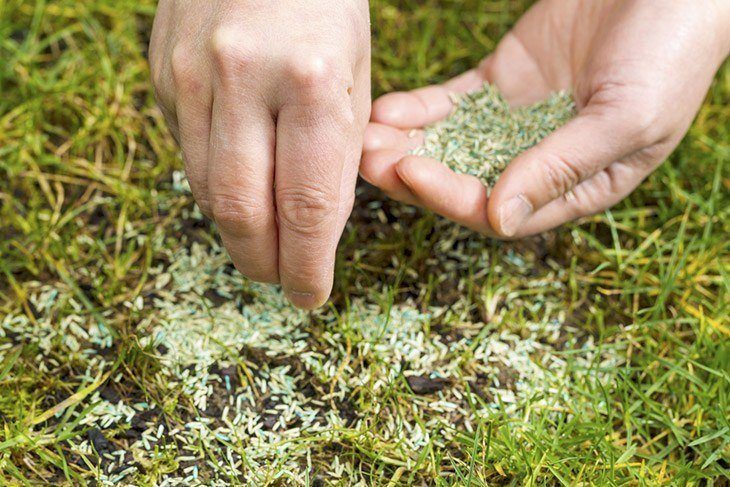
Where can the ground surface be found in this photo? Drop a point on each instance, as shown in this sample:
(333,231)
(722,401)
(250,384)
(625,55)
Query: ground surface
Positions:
(130,352)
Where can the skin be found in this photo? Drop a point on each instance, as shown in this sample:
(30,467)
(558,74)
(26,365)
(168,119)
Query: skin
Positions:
(639,72)
(269,100)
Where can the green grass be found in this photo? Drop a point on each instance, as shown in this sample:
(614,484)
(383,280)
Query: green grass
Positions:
(628,377)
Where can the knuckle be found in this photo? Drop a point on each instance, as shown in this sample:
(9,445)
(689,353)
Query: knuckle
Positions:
(312,72)
(578,203)
(609,182)
(581,199)
(184,71)
(238,215)
(230,52)
(306,210)
(593,196)
(562,175)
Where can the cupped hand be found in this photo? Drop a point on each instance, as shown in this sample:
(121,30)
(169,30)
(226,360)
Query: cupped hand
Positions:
(269,101)
(638,70)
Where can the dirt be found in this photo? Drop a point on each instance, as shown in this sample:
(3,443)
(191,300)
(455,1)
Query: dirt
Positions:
(108,393)
(480,386)
(101,445)
(215,298)
(197,231)
(421,384)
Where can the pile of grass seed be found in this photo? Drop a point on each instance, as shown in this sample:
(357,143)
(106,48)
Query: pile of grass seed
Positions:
(484,133)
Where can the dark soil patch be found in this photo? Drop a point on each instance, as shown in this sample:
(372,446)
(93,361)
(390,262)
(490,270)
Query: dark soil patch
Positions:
(421,384)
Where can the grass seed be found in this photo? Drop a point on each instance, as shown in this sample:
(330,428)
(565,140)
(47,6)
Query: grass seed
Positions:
(483,134)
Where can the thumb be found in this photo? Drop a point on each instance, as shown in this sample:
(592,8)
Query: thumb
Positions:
(598,136)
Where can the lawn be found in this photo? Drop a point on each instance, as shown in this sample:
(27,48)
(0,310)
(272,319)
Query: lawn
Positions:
(131,352)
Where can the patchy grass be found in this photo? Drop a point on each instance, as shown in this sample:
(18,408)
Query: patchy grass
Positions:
(130,352)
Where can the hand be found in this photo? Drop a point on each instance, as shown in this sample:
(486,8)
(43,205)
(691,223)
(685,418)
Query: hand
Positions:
(638,70)
(269,100)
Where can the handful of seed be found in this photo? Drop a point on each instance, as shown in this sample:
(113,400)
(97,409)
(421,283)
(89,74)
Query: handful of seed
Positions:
(484,134)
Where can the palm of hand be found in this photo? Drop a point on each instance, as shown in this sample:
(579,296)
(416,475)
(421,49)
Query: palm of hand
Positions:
(634,73)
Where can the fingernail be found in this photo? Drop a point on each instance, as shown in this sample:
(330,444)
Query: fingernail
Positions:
(513,214)
(301,299)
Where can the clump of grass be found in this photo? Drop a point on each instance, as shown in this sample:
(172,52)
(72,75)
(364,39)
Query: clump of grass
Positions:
(484,133)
